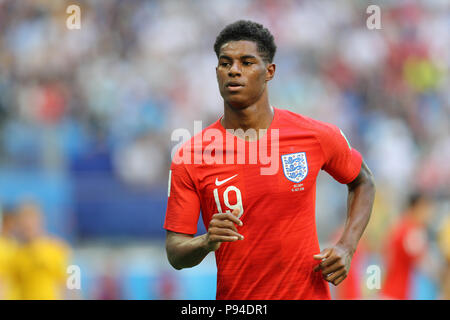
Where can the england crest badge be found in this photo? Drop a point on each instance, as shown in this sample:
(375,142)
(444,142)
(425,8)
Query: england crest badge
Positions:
(295,167)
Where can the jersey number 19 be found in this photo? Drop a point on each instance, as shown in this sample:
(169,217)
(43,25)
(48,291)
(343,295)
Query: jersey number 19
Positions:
(231,207)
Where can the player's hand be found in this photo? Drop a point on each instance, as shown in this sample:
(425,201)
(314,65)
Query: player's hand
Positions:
(335,263)
(222,228)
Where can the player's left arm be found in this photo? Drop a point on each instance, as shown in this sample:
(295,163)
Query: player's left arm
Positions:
(336,260)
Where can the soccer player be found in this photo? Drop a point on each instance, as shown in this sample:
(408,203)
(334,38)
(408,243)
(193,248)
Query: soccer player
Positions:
(261,223)
(41,261)
(406,245)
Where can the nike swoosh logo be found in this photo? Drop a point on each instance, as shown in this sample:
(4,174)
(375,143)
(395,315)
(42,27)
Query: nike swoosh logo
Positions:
(218,183)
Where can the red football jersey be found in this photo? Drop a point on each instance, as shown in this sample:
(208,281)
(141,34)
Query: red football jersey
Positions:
(406,245)
(276,198)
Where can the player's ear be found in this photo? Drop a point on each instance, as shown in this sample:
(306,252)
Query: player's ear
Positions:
(270,71)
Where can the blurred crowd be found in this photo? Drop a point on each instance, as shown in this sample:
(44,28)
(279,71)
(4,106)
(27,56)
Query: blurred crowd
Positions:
(106,98)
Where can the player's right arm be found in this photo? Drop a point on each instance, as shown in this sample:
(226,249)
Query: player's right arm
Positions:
(186,251)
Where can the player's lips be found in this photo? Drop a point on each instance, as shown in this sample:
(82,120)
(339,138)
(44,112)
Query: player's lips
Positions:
(234,85)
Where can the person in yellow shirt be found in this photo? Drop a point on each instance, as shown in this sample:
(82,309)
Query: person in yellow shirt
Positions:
(41,261)
(8,247)
(444,244)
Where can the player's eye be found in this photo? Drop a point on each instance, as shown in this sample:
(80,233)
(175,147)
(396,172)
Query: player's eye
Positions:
(224,64)
(247,63)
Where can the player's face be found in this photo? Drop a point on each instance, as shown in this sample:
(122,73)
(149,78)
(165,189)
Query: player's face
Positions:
(242,74)
(29,222)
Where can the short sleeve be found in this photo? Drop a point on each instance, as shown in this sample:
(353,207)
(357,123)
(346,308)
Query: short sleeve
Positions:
(341,160)
(183,205)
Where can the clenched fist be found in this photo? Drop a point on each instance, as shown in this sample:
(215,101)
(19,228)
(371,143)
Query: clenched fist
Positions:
(222,228)
(335,263)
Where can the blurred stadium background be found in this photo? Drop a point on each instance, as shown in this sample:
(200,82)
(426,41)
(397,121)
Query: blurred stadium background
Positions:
(86,118)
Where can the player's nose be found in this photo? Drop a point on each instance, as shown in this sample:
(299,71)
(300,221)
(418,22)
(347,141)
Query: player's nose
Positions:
(234,70)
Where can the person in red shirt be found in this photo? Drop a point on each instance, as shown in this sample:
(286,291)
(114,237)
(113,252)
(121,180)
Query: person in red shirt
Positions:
(252,174)
(406,245)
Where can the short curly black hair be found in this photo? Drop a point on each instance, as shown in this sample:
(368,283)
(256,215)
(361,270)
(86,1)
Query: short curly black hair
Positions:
(251,31)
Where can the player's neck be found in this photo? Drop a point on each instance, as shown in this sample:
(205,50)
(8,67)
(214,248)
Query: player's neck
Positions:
(257,116)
